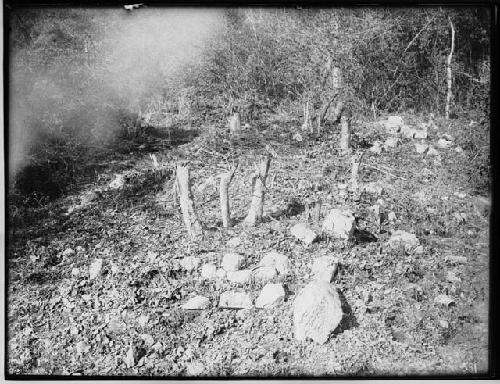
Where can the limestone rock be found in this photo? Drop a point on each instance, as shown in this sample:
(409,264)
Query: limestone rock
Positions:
(297,137)
(339,223)
(317,311)
(407,240)
(376,147)
(264,274)
(432,151)
(237,300)
(482,205)
(421,148)
(194,369)
(391,142)
(234,242)
(190,263)
(269,295)
(232,261)
(420,133)
(197,302)
(208,271)
(407,132)
(118,182)
(393,124)
(95,269)
(240,277)
(304,233)
(276,260)
(324,268)
(444,144)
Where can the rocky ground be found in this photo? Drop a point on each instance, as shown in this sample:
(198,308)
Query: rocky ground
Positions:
(102,282)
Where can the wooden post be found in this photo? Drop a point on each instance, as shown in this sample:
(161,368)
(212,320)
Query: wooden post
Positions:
(307,125)
(345,135)
(225,180)
(189,216)
(258,190)
(448,70)
(235,124)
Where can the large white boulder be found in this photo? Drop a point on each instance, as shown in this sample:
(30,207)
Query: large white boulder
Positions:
(240,277)
(339,223)
(317,311)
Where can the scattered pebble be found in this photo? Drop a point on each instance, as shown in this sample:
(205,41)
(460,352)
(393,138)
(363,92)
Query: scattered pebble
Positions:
(95,269)
(270,294)
(264,274)
(276,260)
(208,271)
(242,277)
(236,300)
(444,300)
(190,263)
(443,324)
(304,233)
(232,261)
(197,302)
(339,223)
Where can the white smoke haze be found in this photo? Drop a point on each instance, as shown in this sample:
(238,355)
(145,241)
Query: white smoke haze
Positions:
(137,55)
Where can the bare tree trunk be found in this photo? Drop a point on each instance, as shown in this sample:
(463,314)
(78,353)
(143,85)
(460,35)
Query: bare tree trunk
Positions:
(345,135)
(448,70)
(225,180)
(258,190)
(189,216)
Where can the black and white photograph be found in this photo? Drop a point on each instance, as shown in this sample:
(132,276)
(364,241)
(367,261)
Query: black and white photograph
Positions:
(247,191)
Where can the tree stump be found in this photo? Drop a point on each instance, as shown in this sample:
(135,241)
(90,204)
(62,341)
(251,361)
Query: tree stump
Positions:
(189,216)
(258,190)
(225,209)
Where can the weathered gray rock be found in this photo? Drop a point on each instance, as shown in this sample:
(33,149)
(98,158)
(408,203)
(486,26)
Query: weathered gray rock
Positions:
(391,142)
(407,240)
(264,274)
(324,268)
(407,132)
(236,300)
(240,277)
(190,263)
(339,223)
(232,261)
(420,133)
(376,147)
(444,144)
(194,369)
(197,302)
(432,151)
(421,148)
(393,124)
(456,259)
(444,300)
(277,260)
(208,271)
(304,233)
(317,311)
(297,137)
(373,188)
(118,182)
(482,205)
(391,216)
(270,295)
(234,242)
(95,269)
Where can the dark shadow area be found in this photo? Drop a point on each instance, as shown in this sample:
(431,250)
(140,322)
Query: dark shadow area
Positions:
(348,319)
(363,236)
